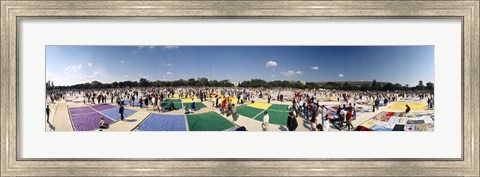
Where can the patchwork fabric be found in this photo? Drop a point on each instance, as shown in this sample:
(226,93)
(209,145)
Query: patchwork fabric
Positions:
(210,121)
(260,105)
(413,106)
(278,107)
(88,122)
(275,117)
(198,105)
(101,107)
(163,122)
(391,121)
(114,114)
(248,111)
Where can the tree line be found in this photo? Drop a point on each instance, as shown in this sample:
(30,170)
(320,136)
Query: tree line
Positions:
(253,83)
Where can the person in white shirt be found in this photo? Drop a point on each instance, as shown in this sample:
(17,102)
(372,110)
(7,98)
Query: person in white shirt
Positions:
(266,119)
(325,121)
(343,114)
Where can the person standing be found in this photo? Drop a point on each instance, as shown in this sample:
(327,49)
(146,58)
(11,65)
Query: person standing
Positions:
(323,112)
(121,111)
(354,116)
(313,123)
(145,101)
(234,112)
(133,100)
(48,113)
(339,109)
(155,102)
(193,104)
(223,106)
(292,123)
(349,118)
(141,102)
(266,119)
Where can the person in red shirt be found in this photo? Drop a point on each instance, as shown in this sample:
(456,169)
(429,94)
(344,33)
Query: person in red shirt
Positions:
(224,103)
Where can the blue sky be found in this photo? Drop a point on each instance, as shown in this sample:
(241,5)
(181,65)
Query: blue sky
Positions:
(69,65)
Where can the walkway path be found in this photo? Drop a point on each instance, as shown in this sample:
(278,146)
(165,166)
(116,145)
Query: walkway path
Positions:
(61,120)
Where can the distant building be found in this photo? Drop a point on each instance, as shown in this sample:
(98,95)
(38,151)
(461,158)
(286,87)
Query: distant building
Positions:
(353,83)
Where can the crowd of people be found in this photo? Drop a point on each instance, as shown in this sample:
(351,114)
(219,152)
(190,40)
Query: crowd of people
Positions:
(308,104)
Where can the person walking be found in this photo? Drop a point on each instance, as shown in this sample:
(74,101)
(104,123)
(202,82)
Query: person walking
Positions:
(48,113)
(121,111)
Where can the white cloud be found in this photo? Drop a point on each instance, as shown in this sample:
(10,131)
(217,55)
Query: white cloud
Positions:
(73,69)
(122,62)
(291,73)
(139,74)
(90,64)
(169,73)
(171,47)
(272,76)
(96,73)
(340,75)
(314,67)
(169,64)
(271,64)
(125,76)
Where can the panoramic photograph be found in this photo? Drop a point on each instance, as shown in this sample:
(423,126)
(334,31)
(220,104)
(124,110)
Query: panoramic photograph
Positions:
(239,88)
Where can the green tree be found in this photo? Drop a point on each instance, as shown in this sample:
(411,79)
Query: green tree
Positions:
(397,86)
(143,82)
(430,86)
(96,84)
(374,83)
(420,85)
(388,86)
